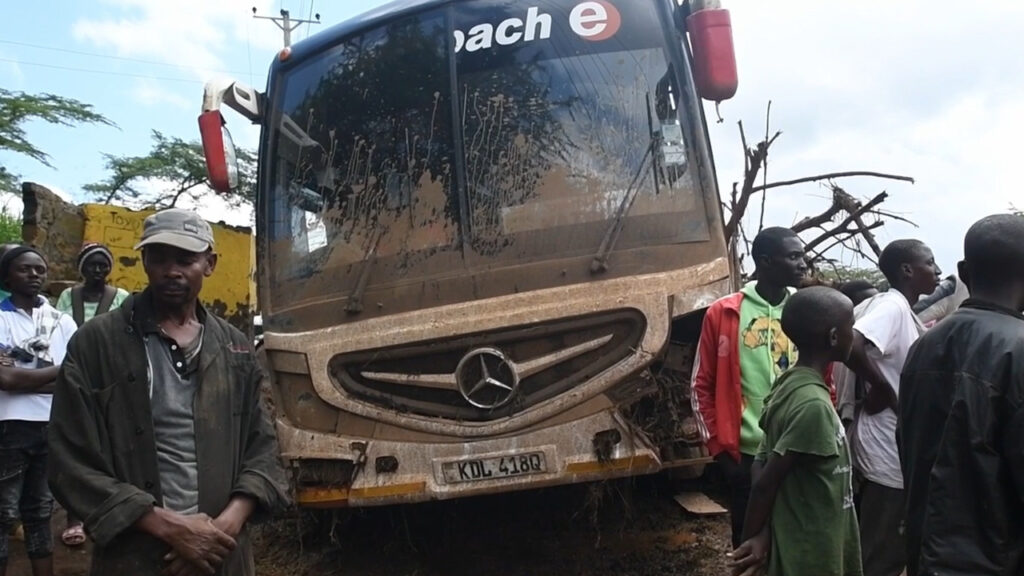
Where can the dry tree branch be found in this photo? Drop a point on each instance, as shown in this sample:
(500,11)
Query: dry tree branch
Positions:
(849,235)
(753,161)
(764,173)
(854,216)
(817,221)
(833,176)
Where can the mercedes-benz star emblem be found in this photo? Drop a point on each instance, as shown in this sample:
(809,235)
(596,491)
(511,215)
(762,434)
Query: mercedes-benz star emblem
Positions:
(486,378)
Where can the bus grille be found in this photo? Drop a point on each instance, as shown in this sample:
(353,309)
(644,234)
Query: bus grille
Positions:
(549,358)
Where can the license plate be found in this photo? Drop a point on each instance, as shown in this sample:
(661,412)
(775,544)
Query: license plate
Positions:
(472,470)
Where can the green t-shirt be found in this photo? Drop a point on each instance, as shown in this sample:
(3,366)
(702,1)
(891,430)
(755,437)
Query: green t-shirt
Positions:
(813,521)
(88,308)
(765,352)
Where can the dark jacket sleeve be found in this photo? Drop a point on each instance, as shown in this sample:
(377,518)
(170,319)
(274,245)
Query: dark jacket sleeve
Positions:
(261,475)
(1013,448)
(80,469)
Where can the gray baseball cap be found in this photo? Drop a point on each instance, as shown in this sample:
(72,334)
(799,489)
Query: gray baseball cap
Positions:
(179,228)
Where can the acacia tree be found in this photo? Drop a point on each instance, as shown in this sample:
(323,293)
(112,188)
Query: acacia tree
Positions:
(173,169)
(839,273)
(18,108)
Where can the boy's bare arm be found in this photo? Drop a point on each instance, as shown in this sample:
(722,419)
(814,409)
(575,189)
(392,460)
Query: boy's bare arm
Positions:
(767,478)
(881,394)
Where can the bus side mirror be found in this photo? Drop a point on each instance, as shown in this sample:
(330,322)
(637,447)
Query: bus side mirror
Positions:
(219,151)
(714,57)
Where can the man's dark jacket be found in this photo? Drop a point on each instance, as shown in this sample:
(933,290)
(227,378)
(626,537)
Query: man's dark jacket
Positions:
(961,439)
(103,463)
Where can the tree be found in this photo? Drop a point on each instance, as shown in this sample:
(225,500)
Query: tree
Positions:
(839,273)
(17,108)
(10,227)
(846,223)
(173,168)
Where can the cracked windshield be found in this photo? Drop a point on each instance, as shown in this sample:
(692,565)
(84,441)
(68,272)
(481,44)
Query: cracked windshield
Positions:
(375,180)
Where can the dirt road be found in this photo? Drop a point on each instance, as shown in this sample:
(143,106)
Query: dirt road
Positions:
(622,528)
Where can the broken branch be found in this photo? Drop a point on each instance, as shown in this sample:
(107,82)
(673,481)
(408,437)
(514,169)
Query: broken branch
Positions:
(854,216)
(832,176)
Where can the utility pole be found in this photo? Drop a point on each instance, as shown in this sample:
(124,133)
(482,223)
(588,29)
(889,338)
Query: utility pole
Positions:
(286,24)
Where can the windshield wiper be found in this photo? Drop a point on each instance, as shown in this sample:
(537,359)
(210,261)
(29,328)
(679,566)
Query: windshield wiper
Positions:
(611,235)
(355,298)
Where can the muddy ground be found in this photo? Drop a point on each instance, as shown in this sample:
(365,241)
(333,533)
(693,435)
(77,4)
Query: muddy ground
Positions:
(622,528)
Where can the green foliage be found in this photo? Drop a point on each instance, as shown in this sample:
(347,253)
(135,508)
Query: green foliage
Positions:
(838,273)
(17,108)
(173,168)
(10,227)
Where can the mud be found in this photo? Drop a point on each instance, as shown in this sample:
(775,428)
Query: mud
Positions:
(621,528)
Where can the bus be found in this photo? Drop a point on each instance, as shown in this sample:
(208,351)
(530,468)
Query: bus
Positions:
(486,234)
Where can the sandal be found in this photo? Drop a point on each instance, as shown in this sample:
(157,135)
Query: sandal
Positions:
(73,536)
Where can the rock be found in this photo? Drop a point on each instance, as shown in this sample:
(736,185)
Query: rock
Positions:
(54,227)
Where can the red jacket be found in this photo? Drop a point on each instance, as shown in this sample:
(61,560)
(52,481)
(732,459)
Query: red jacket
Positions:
(716,394)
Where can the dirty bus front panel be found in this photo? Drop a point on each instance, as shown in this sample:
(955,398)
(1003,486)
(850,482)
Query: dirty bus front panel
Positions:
(482,226)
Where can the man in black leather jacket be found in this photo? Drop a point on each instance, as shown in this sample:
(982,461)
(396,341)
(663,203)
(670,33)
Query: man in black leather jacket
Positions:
(961,418)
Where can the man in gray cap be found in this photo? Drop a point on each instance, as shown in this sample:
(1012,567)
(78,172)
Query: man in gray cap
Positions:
(158,439)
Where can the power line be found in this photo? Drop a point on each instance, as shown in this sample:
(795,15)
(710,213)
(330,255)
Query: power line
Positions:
(109,56)
(310,17)
(106,72)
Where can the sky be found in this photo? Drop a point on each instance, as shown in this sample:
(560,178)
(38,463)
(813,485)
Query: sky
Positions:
(932,90)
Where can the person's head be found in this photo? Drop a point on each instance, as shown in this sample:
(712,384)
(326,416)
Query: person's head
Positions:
(858,290)
(819,321)
(778,255)
(177,254)
(23,271)
(994,258)
(910,267)
(95,263)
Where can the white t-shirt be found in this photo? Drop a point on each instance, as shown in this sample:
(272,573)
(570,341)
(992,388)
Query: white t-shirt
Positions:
(17,327)
(890,324)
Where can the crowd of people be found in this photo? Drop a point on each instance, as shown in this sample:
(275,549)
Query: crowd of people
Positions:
(859,430)
(110,402)
(867,431)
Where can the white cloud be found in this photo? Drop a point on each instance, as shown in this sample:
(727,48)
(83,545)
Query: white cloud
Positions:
(60,192)
(909,87)
(210,206)
(11,204)
(193,33)
(153,94)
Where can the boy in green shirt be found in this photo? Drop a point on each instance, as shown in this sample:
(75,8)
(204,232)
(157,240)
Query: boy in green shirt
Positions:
(801,518)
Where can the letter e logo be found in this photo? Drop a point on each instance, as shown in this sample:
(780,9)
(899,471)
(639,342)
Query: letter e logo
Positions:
(595,20)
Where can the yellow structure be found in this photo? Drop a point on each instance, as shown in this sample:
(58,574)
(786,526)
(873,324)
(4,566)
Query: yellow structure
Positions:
(230,292)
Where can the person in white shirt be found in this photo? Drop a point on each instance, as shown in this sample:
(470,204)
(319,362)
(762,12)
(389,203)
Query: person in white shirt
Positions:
(883,334)
(33,340)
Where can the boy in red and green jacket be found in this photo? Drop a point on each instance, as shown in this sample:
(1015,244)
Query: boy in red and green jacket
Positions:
(742,350)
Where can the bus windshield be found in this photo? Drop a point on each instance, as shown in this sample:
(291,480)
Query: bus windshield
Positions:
(384,168)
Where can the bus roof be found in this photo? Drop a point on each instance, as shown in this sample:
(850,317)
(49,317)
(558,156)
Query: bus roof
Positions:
(366,20)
